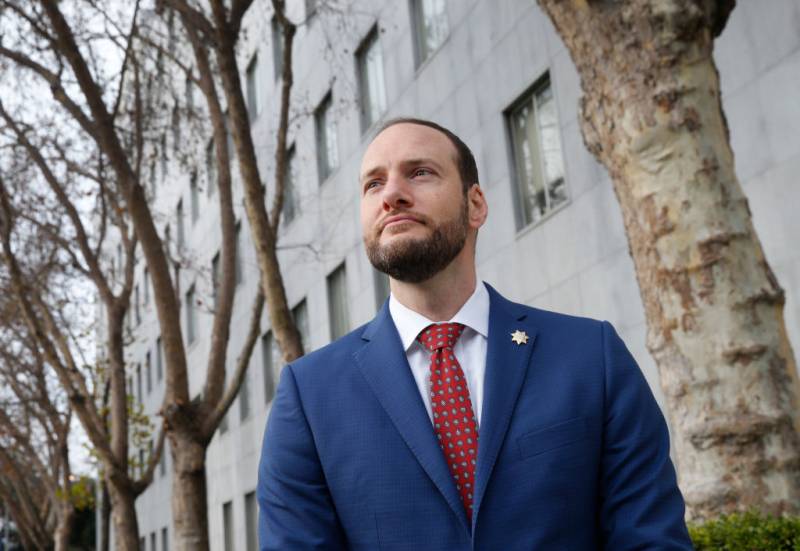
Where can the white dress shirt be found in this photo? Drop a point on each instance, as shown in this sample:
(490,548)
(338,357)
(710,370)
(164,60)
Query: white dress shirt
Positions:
(470,350)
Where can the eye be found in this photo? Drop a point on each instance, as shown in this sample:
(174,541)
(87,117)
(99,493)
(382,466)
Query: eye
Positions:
(422,172)
(372,184)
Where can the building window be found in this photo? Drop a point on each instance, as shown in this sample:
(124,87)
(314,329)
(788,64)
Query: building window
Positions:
(146,286)
(136,309)
(211,168)
(179,224)
(162,462)
(430,26)
(189,93)
(227,525)
(152,180)
(163,156)
(372,88)
(300,317)
(152,541)
(148,374)
(277,47)
(164,539)
(337,302)
(190,319)
(167,240)
(194,198)
(289,192)
(176,129)
(327,144)
(252,88)
(244,399)
(251,521)
(538,161)
(142,543)
(311,8)
(139,394)
(381,282)
(159,359)
(270,358)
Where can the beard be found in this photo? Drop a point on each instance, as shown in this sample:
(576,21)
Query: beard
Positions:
(417,260)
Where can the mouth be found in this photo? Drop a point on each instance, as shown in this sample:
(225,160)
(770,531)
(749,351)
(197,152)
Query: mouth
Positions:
(398,220)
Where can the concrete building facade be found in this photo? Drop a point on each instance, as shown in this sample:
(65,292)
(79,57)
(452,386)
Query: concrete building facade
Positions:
(496,73)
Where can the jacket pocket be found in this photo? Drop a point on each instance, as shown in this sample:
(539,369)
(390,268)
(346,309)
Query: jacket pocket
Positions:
(552,437)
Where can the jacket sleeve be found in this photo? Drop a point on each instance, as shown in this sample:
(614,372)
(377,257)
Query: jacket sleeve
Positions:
(295,507)
(641,505)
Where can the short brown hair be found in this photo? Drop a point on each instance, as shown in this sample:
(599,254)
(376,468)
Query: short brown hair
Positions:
(465,161)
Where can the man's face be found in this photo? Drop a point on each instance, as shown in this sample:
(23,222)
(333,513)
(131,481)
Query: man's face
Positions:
(414,215)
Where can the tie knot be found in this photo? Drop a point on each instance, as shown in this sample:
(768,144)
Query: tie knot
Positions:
(440,335)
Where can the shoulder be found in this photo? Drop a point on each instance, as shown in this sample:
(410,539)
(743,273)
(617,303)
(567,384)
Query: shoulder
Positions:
(334,356)
(545,321)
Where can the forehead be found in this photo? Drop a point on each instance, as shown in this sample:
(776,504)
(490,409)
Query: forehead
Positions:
(405,141)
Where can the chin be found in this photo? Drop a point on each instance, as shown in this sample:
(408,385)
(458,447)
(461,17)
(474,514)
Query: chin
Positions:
(392,239)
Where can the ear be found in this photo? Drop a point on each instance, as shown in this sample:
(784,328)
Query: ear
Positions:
(477,208)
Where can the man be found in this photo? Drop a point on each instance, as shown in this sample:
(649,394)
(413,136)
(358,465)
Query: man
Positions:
(457,419)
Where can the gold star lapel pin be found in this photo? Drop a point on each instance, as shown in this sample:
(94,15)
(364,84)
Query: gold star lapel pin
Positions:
(519,337)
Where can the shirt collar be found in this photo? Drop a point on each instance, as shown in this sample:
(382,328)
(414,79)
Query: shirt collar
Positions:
(473,314)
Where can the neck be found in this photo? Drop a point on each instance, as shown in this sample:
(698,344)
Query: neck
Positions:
(440,297)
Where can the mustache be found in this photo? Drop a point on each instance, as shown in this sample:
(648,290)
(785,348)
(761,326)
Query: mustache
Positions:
(415,215)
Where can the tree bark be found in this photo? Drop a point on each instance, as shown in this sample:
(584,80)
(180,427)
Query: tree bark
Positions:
(189,500)
(105,519)
(263,226)
(651,113)
(123,514)
(63,529)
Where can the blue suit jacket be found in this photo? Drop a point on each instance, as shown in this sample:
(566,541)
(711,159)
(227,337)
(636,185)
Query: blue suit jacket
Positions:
(573,450)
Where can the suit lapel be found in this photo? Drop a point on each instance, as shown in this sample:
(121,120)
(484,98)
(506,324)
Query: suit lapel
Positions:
(506,366)
(383,363)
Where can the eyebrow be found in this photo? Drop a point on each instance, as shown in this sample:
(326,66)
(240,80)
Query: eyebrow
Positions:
(404,163)
(422,161)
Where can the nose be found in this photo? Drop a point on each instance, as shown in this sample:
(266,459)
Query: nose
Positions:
(396,193)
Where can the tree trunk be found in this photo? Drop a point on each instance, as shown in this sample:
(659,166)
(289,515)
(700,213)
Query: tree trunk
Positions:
(263,229)
(189,501)
(123,513)
(652,114)
(64,527)
(105,516)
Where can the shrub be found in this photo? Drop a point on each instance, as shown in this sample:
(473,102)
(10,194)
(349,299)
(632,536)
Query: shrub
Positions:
(749,531)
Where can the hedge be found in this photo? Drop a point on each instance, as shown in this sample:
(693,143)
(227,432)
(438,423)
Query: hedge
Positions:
(749,531)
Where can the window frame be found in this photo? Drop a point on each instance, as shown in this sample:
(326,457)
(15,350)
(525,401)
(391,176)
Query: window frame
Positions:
(334,302)
(244,398)
(523,222)
(289,189)
(276,31)
(228,537)
(194,198)
(190,320)
(268,365)
(159,359)
(181,230)
(211,167)
(253,88)
(421,52)
(323,121)
(365,99)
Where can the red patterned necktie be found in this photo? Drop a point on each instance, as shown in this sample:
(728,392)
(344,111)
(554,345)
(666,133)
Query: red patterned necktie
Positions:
(453,417)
